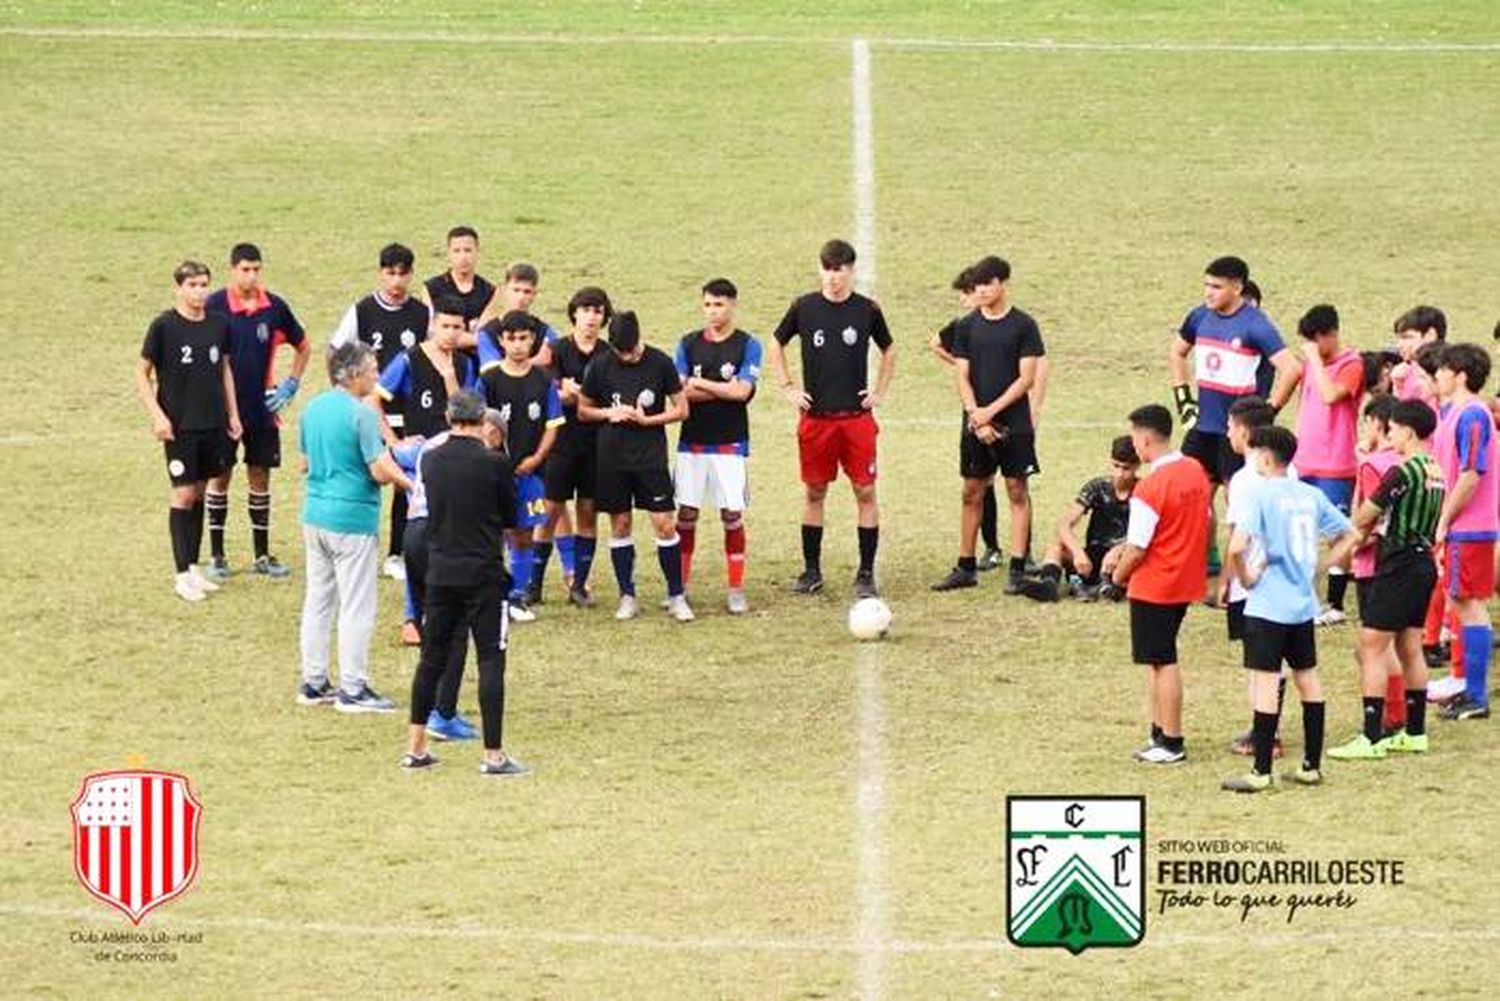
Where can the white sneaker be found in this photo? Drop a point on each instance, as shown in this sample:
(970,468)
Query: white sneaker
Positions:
(521,613)
(394,568)
(679,609)
(1156,754)
(187,588)
(627,609)
(1330,617)
(1444,689)
(204,584)
(737,602)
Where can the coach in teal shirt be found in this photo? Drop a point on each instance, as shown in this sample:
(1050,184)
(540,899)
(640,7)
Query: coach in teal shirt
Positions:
(346,465)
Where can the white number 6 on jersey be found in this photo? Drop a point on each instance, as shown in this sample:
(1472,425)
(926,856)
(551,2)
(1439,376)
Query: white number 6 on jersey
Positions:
(426,399)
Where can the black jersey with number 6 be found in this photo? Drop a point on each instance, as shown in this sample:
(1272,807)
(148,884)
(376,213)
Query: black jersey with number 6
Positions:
(187,355)
(647,384)
(390,330)
(836,340)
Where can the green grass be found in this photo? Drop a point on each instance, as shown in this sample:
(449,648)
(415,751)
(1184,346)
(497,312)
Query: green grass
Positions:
(691,830)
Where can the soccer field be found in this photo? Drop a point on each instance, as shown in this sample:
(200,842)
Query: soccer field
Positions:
(746,807)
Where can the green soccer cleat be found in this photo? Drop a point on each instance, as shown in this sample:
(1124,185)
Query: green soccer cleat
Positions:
(1358,749)
(1402,742)
(1249,782)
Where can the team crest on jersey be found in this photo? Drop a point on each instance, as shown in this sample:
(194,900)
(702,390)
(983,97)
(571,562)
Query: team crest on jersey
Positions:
(213,355)
(135,839)
(262,333)
(726,371)
(1075,871)
(408,338)
(534,410)
(646,399)
(850,335)
(176,468)
(1213,362)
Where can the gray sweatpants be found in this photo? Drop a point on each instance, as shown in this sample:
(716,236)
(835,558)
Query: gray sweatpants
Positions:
(341,574)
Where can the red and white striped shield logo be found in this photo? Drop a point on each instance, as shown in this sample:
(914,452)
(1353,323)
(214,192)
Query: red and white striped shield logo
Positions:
(135,838)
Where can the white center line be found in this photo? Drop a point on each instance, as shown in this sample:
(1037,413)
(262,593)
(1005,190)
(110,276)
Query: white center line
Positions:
(864,166)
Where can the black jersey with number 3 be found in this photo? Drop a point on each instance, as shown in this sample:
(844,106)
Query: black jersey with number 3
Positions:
(187,355)
(647,384)
(390,330)
(836,340)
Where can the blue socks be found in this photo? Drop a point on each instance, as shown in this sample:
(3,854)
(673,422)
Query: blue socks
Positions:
(669,555)
(566,547)
(521,563)
(1477,641)
(622,555)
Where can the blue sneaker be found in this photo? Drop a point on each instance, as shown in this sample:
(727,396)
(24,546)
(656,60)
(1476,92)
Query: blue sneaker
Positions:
(367,701)
(315,695)
(457,728)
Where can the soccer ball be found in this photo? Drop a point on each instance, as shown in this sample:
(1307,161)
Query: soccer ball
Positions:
(869,619)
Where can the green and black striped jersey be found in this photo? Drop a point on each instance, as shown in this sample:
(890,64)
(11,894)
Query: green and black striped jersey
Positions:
(1411,495)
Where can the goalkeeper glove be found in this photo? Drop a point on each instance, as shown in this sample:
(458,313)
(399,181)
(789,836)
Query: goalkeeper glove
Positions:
(1187,407)
(282,394)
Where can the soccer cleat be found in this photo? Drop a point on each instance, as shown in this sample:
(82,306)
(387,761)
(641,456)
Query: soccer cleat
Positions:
(1249,782)
(1358,749)
(1444,689)
(1086,593)
(1304,776)
(218,570)
(534,593)
(737,602)
(411,633)
(679,609)
(1461,707)
(204,584)
(186,588)
(1013,581)
(1330,617)
(1160,754)
(1244,745)
(1402,742)
(519,612)
(957,579)
(627,608)
(506,766)
(270,566)
(991,560)
(808,582)
(367,701)
(416,762)
(394,568)
(1044,589)
(1110,591)
(1436,655)
(315,695)
(580,597)
(864,585)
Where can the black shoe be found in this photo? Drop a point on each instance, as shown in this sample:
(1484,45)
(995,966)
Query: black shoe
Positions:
(808,582)
(415,762)
(1110,591)
(580,597)
(1040,588)
(1436,656)
(1462,707)
(864,585)
(957,578)
(534,593)
(1013,581)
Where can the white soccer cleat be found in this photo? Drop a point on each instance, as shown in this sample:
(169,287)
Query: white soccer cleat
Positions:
(521,613)
(1330,617)
(679,609)
(394,568)
(627,609)
(204,584)
(187,588)
(737,602)
(1444,689)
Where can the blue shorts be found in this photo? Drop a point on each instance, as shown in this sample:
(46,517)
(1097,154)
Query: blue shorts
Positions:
(1340,492)
(531,508)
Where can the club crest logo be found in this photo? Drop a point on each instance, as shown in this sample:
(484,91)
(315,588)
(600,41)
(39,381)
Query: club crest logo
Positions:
(176,467)
(1075,871)
(1213,361)
(262,333)
(534,410)
(408,338)
(726,371)
(213,355)
(850,336)
(135,838)
(645,400)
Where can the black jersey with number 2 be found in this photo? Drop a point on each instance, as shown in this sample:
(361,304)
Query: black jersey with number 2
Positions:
(646,384)
(186,355)
(836,340)
(390,330)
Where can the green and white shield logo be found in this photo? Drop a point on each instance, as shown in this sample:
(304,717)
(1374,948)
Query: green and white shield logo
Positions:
(1075,871)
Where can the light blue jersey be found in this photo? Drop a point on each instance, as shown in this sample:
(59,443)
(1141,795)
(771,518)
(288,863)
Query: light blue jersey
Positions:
(1288,518)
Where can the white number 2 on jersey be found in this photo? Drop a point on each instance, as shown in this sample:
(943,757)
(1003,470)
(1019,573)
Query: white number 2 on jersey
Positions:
(377,340)
(187,354)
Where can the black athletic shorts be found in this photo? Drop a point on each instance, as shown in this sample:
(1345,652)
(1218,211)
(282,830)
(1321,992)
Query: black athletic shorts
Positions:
(569,474)
(1396,597)
(1153,631)
(618,490)
(1268,644)
(1014,456)
(262,447)
(1362,594)
(1235,618)
(1213,453)
(194,456)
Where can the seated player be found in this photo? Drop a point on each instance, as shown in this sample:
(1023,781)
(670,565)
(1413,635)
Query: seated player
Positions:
(1106,500)
(1284,519)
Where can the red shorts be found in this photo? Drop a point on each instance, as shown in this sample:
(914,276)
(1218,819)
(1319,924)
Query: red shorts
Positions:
(1471,569)
(824,443)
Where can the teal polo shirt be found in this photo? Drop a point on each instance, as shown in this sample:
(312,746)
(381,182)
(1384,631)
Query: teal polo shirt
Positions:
(340,437)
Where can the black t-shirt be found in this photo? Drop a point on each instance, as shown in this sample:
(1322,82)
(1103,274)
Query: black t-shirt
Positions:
(188,356)
(424,392)
(390,331)
(836,340)
(994,349)
(568,362)
(471,500)
(946,335)
(1108,515)
(718,422)
(527,404)
(443,286)
(646,384)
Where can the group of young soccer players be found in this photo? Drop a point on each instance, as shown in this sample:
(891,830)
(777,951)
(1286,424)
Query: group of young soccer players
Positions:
(1392,462)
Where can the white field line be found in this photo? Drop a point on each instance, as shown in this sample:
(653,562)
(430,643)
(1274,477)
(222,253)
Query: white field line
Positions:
(864,165)
(568,38)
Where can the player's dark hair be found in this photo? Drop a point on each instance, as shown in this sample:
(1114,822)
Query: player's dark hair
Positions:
(1377,364)
(721,288)
(521,271)
(466,407)
(519,319)
(243,252)
(1416,415)
(458,231)
(1379,408)
(1152,417)
(624,331)
(347,360)
(964,282)
(1279,441)
(836,254)
(589,295)
(1423,318)
(1251,412)
(189,269)
(1233,268)
(1429,356)
(1469,360)
(1321,319)
(1251,291)
(1122,449)
(989,269)
(448,305)
(397,255)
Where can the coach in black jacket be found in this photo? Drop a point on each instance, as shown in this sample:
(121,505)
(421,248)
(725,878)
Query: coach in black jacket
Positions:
(471,501)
